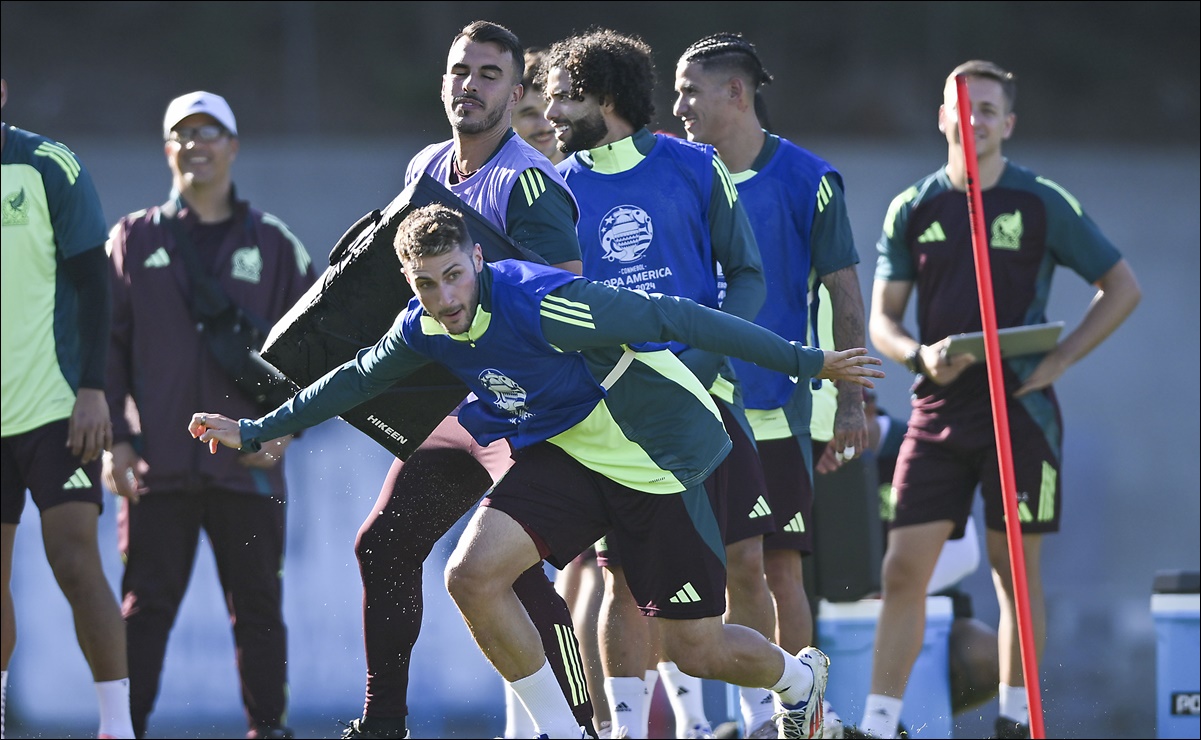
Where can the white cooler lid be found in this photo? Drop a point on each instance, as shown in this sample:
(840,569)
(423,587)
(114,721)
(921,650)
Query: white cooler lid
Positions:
(936,606)
(1176,604)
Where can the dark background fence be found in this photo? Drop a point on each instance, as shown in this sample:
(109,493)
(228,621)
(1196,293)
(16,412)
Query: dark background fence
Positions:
(333,98)
(1088,72)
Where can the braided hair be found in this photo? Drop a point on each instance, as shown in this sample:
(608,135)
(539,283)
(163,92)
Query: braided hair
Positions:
(732,51)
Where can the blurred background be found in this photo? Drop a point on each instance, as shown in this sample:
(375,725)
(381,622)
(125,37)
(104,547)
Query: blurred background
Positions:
(333,98)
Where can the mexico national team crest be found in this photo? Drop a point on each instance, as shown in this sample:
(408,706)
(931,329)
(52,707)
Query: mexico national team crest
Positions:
(510,397)
(247,265)
(625,233)
(1007,231)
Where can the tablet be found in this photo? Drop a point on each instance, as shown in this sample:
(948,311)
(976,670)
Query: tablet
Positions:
(1014,341)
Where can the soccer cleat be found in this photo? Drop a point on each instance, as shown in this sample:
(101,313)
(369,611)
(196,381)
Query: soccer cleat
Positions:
(1011,729)
(832,728)
(803,720)
(356,729)
(700,732)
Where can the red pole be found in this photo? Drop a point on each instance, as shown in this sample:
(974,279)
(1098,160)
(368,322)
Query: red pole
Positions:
(1000,412)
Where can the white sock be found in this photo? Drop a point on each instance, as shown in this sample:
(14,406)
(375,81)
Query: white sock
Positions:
(626,695)
(758,706)
(518,722)
(544,700)
(1012,704)
(881,715)
(3,700)
(114,708)
(795,683)
(648,690)
(686,695)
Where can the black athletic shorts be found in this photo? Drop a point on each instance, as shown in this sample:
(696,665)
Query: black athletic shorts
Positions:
(40,461)
(671,544)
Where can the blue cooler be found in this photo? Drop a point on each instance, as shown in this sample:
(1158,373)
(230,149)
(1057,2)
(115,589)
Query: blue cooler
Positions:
(847,633)
(1176,610)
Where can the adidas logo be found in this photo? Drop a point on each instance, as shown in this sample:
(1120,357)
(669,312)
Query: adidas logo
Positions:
(933,233)
(762,508)
(681,691)
(686,595)
(159,258)
(796,524)
(622,707)
(78,479)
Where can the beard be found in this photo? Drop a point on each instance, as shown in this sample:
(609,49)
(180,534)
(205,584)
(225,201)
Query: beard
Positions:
(586,133)
(465,126)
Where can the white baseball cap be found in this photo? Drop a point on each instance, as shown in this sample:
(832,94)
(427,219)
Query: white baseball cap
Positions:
(199,102)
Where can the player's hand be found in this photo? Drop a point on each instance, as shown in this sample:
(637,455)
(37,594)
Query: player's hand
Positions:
(123,470)
(90,430)
(214,429)
(1047,372)
(851,365)
(829,461)
(270,455)
(940,367)
(850,425)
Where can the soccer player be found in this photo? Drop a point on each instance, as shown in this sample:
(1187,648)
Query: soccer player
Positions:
(796,203)
(661,214)
(605,436)
(490,167)
(56,314)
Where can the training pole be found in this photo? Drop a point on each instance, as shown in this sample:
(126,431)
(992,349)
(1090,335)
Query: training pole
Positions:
(1000,413)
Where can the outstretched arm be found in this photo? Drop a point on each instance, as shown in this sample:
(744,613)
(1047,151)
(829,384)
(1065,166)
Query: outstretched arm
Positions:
(371,372)
(600,316)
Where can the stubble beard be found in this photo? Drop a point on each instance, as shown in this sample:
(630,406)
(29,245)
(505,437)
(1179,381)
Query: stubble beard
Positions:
(466,126)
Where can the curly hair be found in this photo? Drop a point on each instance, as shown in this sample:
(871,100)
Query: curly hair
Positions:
(609,65)
(430,231)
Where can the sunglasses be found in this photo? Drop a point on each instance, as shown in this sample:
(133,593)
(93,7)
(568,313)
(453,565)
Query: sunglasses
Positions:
(207,134)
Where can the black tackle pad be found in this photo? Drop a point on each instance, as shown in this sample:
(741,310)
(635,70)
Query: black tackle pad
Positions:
(356,301)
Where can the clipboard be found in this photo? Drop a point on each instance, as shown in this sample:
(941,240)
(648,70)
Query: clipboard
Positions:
(1014,341)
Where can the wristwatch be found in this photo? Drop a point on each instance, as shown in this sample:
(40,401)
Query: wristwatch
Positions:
(913,361)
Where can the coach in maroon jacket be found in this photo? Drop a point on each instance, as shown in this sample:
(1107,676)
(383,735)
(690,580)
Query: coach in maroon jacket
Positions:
(160,370)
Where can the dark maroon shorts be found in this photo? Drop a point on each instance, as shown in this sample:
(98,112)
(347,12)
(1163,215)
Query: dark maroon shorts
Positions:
(39,461)
(744,487)
(743,502)
(936,481)
(671,544)
(790,488)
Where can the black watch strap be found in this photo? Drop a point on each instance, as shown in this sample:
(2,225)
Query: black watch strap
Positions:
(913,361)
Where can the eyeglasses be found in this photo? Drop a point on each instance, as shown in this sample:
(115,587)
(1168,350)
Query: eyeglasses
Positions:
(208,133)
